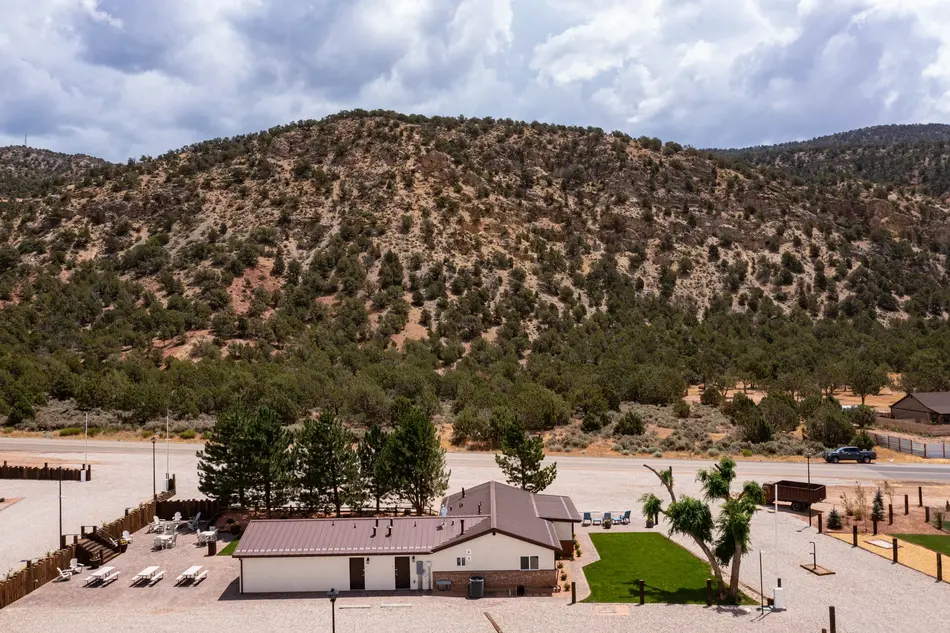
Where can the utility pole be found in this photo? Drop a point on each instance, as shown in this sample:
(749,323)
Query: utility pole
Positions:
(60,508)
(154,494)
(86,438)
(166,448)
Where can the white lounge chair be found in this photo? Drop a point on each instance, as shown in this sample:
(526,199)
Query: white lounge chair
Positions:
(177,517)
(126,536)
(193,523)
(155,525)
(64,575)
(75,566)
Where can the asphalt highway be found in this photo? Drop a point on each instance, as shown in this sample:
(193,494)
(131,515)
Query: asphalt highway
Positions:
(759,469)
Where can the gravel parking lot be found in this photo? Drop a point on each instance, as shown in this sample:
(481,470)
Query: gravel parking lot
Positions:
(867,590)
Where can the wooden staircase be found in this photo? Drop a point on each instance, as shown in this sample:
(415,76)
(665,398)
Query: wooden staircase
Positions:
(94,545)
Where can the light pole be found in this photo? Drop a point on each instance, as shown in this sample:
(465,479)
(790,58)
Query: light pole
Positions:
(154,494)
(86,439)
(808,462)
(332,594)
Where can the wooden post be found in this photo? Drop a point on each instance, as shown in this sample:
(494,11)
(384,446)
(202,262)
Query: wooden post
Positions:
(920,496)
(831,620)
(890,514)
(894,544)
(819,523)
(874,521)
(927,514)
(906,505)
(854,536)
(573,592)
(939,567)
(642,596)
(709,589)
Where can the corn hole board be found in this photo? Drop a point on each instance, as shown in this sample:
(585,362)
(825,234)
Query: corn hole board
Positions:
(882,543)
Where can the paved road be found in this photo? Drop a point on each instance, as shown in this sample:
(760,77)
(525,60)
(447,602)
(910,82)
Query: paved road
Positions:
(770,470)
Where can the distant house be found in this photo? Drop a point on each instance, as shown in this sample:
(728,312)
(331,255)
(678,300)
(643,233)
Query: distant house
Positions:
(506,535)
(932,407)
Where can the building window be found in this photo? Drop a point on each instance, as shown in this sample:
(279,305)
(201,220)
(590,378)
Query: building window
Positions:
(460,562)
(529,562)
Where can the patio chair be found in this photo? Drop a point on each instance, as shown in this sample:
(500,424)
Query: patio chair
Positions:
(64,575)
(126,536)
(155,525)
(597,520)
(174,541)
(177,517)
(624,518)
(587,520)
(193,523)
(75,566)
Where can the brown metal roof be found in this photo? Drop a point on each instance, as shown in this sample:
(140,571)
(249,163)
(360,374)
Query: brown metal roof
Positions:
(362,537)
(488,508)
(513,512)
(936,401)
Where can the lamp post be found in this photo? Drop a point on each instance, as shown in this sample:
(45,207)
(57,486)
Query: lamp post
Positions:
(332,594)
(808,462)
(61,543)
(154,493)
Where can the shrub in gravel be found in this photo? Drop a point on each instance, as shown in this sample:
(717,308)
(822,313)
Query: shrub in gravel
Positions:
(713,452)
(746,452)
(188,434)
(564,577)
(71,430)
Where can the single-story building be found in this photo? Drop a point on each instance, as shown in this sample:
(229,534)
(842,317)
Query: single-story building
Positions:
(929,408)
(510,537)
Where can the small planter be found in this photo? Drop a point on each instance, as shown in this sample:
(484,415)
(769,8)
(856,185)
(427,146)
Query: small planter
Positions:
(650,524)
(607,524)
(95,562)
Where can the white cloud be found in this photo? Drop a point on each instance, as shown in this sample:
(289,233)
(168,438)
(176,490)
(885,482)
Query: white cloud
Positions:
(120,78)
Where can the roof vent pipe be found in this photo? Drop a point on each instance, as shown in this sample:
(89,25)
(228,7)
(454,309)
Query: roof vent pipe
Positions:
(479,507)
(377,521)
(390,522)
(373,535)
(389,531)
(462,531)
(463,493)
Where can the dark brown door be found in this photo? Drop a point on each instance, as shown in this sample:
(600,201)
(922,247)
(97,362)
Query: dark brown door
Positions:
(357,575)
(402,572)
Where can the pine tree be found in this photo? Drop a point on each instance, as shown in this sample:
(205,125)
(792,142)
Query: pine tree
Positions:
(328,464)
(521,459)
(224,463)
(270,462)
(373,466)
(877,508)
(416,460)
(834,519)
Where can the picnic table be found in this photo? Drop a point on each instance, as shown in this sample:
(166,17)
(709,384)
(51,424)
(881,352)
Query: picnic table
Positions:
(193,574)
(149,573)
(102,574)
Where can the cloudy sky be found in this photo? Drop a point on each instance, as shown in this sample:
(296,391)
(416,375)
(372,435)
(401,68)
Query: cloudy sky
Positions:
(120,78)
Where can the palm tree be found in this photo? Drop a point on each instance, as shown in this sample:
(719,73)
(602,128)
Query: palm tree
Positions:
(723,540)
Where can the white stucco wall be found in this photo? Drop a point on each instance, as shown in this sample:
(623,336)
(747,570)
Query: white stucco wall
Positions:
(491,553)
(322,573)
(564,530)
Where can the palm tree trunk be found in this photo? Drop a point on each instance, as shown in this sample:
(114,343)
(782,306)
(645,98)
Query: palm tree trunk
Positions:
(734,577)
(714,566)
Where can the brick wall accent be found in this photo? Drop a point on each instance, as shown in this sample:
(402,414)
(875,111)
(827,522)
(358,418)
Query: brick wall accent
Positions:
(533,580)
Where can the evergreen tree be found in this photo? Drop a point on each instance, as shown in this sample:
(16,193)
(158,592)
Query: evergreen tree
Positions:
(270,461)
(224,463)
(877,507)
(834,519)
(521,459)
(373,466)
(416,460)
(328,465)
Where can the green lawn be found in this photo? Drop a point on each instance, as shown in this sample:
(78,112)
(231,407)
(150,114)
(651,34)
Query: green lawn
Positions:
(936,542)
(228,549)
(671,574)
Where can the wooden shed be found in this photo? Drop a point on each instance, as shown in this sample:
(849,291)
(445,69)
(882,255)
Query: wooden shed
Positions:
(929,408)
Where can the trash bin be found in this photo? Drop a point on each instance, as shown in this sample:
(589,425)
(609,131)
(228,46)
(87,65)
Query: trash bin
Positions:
(212,547)
(778,603)
(476,587)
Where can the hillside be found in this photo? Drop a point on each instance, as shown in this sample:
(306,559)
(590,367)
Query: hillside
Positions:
(915,157)
(462,263)
(26,171)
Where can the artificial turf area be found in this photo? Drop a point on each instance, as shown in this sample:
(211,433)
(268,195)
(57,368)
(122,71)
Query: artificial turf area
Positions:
(936,542)
(671,574)
(228,549)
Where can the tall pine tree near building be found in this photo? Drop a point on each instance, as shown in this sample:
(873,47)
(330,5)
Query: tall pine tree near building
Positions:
(521,459)
(416,460)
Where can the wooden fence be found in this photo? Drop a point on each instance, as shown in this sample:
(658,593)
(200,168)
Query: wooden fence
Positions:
(913,427)
(34,575)
(45,473)
(927,450)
